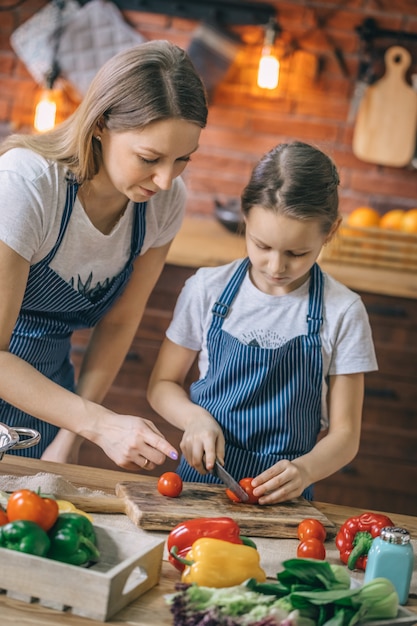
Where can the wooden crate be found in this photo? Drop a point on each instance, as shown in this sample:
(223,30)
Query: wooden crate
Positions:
(375,247)
(130,564)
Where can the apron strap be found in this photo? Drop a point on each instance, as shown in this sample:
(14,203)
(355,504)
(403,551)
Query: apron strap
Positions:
(221,307)
(315,306)
(138,230)
(72,188)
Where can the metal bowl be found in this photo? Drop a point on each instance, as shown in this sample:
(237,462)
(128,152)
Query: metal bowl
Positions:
(229,214)
(10,438)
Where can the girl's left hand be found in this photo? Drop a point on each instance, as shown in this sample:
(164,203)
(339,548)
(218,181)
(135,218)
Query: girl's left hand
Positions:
(203,442)
(281,482)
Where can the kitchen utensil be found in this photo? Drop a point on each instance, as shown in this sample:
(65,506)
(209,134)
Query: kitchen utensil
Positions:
(229,481)
(89,504)
(10,438)
(364,79)
(151,511)
(230,215)
(212,50)
(386,122)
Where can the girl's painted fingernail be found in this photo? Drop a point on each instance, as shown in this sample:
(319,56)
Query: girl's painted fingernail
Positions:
(174,456)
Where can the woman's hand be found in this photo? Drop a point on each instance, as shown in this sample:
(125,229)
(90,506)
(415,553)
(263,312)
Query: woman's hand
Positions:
(202,442)
(132,442)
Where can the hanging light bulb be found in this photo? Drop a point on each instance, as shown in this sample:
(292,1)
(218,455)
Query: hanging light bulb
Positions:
(46,107)
(268,69)
(45,112)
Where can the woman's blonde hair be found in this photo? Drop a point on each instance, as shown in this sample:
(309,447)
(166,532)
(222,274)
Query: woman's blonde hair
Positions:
(153,81)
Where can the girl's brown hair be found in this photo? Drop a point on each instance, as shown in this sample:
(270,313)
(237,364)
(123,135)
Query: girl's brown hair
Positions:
(296,180)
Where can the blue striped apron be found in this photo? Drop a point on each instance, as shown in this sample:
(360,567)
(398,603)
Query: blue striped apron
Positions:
(267,401)
(51,310)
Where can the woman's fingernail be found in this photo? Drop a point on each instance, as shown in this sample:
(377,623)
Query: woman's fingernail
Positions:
(174,456)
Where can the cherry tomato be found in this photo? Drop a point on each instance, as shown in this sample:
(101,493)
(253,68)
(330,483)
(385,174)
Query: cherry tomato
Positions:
(232,496)
(170,485)
(246,484)
(3,518)
(311,549)
(309,528)
(28,505)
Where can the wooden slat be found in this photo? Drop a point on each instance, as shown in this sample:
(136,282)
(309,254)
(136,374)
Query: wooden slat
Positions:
(373,247)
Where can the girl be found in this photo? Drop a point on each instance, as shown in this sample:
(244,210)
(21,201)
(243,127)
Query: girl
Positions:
(87,215)
(282,346)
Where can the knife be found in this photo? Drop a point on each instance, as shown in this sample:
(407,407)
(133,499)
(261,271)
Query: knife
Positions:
(219,471)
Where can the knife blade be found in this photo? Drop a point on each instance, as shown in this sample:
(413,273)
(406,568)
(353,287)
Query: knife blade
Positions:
(219,471)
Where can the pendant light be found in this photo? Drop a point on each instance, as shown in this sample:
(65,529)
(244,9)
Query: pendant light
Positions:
(45,110)
(46,106)
(268,69)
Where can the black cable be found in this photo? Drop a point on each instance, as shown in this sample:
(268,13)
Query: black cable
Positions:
(10,7)
(55,70)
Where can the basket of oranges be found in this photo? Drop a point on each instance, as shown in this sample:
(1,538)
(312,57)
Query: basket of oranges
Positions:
(368,238)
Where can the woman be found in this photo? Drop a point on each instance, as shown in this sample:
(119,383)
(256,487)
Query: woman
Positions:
(282,346)
(87,215)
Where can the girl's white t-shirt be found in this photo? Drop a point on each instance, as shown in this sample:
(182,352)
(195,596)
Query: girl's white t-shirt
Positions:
(257,318)
(32,199)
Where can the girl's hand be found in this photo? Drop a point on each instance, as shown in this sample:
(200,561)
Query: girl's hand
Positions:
(283,481)
(203,442)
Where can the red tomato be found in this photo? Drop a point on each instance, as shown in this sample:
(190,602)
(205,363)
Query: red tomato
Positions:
(3,518)
(232,496)
(309,528)
(246,484)
(311,549)
(28,505)
(170,485)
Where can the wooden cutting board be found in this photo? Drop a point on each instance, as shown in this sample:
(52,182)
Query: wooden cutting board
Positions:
(150,510)
(386,124)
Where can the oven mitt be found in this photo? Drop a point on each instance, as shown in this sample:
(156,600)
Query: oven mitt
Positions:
(93,35)
(33,41)
(212,50)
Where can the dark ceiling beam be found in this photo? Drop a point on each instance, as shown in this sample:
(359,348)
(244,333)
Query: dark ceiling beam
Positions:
(219,11)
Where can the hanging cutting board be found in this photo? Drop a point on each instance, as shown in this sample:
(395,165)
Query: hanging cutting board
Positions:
(151,511)
(386,124)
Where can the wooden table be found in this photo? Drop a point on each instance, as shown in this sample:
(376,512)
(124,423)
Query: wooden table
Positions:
(205,242)
(150,609)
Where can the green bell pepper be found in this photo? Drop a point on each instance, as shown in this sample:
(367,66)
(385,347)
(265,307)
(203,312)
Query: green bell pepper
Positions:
(24,536)
(73,540)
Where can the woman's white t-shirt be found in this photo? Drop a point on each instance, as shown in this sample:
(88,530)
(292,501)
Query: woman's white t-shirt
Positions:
(32,199)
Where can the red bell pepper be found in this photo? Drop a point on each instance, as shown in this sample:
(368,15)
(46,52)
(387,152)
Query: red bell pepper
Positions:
(182,537)
(356,535)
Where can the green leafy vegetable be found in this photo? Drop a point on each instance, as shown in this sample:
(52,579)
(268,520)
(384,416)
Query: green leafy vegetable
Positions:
(313,573)
(378,600)
(194,605)
(307,592)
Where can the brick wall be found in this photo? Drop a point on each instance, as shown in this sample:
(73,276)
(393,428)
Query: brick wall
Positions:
(311,102)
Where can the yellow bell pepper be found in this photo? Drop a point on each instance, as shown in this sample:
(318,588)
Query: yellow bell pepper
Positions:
(64,506)
(218,563)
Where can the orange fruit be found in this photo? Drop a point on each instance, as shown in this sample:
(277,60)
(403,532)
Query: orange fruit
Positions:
(409,221)
(392,220)
(364,217)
